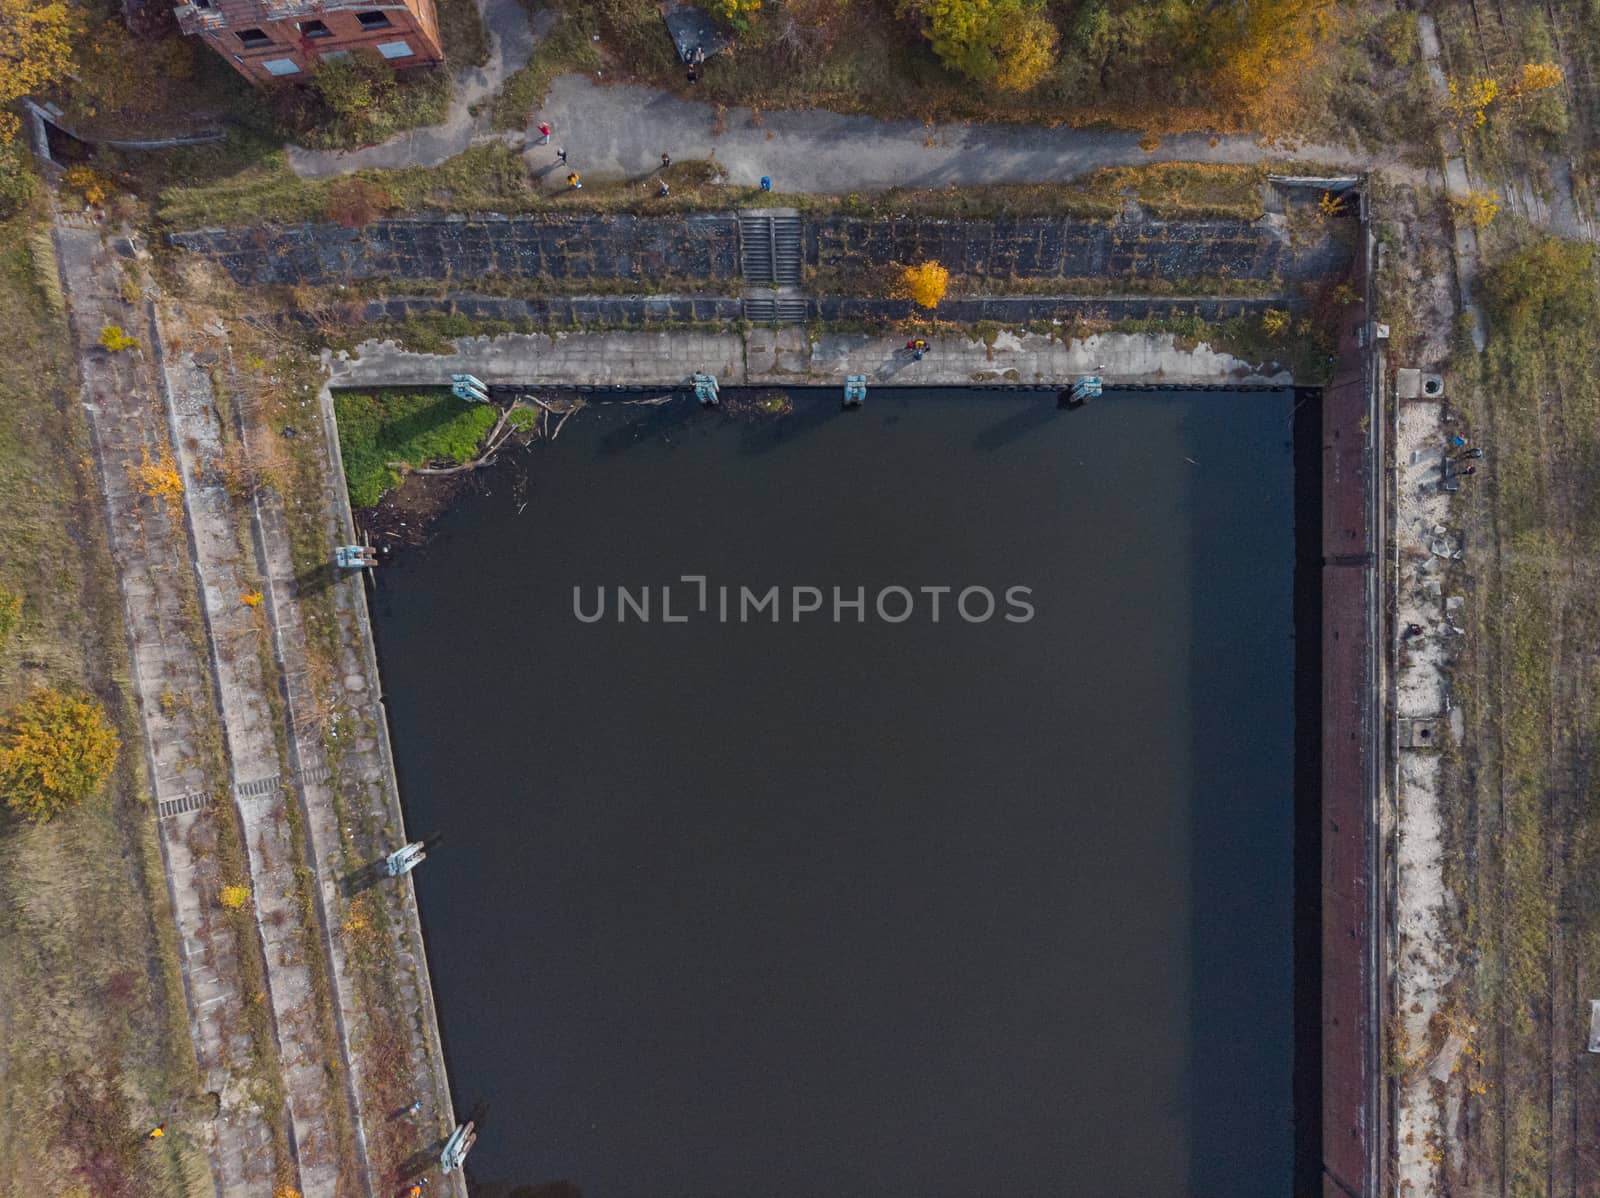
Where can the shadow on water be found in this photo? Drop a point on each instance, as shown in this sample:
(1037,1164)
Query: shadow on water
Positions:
(654,423)
(1018,425)
(763,434)
(1241,1119)
(1308,791)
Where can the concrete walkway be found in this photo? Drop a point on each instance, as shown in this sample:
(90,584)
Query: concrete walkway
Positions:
(510,42)
(622,131)
(769,357)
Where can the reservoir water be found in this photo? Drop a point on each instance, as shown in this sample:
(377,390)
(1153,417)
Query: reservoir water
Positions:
(855,906)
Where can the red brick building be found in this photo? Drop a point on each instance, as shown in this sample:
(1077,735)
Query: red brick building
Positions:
(286,39)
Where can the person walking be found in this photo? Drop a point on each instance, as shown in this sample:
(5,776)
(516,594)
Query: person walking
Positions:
(561,156)
(666,160)
(663,189)
(544,134)
(574,182)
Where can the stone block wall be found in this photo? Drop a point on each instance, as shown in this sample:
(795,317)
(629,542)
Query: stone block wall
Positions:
(1057,248)
(571,249)
(469,248)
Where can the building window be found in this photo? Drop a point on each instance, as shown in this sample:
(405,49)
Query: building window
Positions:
(314,29)
(372,20)
(281,66)
(253,39)
(336,56)
(394,49)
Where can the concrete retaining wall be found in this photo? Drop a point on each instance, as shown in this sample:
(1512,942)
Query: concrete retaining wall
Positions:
(646,311)
(560,248)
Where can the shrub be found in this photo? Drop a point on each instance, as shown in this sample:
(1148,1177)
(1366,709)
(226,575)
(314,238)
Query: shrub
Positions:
(234,897)
(1546,287)
(355,202)
(87,183)
(114,339)
(355,88)
(56,749)
(1274,321)
(1479,207)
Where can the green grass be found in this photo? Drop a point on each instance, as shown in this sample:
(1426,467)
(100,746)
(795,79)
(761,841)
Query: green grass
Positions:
(418,428)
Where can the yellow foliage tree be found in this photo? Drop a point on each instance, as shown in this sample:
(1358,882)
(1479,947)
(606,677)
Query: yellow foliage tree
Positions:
(56,749)
(35,51)
(1274,321)
(1470,102)
(1479,207)
(738,12)
(925,284)
(1251,45)
(1010,44)
(1536,77)
(159,479)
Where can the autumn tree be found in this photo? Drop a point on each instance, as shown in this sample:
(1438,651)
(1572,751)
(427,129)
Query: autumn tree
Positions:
(1009,44)
(56,749)
(1246,44)
(924,284)
(35,52)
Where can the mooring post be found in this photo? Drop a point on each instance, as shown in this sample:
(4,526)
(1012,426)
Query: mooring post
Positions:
(355,557)
(404,860)
(469,388)
(855,390)
(457,1146)
(1084,388)
(705,390)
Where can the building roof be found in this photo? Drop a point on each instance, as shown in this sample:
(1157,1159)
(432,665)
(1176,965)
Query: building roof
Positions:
(242,14)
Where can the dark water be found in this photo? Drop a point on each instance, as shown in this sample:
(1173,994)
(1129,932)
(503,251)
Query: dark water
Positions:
(921,909)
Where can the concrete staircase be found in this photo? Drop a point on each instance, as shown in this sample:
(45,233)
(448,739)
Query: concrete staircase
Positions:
(771,260)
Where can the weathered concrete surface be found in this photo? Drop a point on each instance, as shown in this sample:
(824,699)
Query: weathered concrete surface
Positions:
(706,246)
(776,357)
(344,798)
(1423,954)
(263,786)
(172,688)
(207,670)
